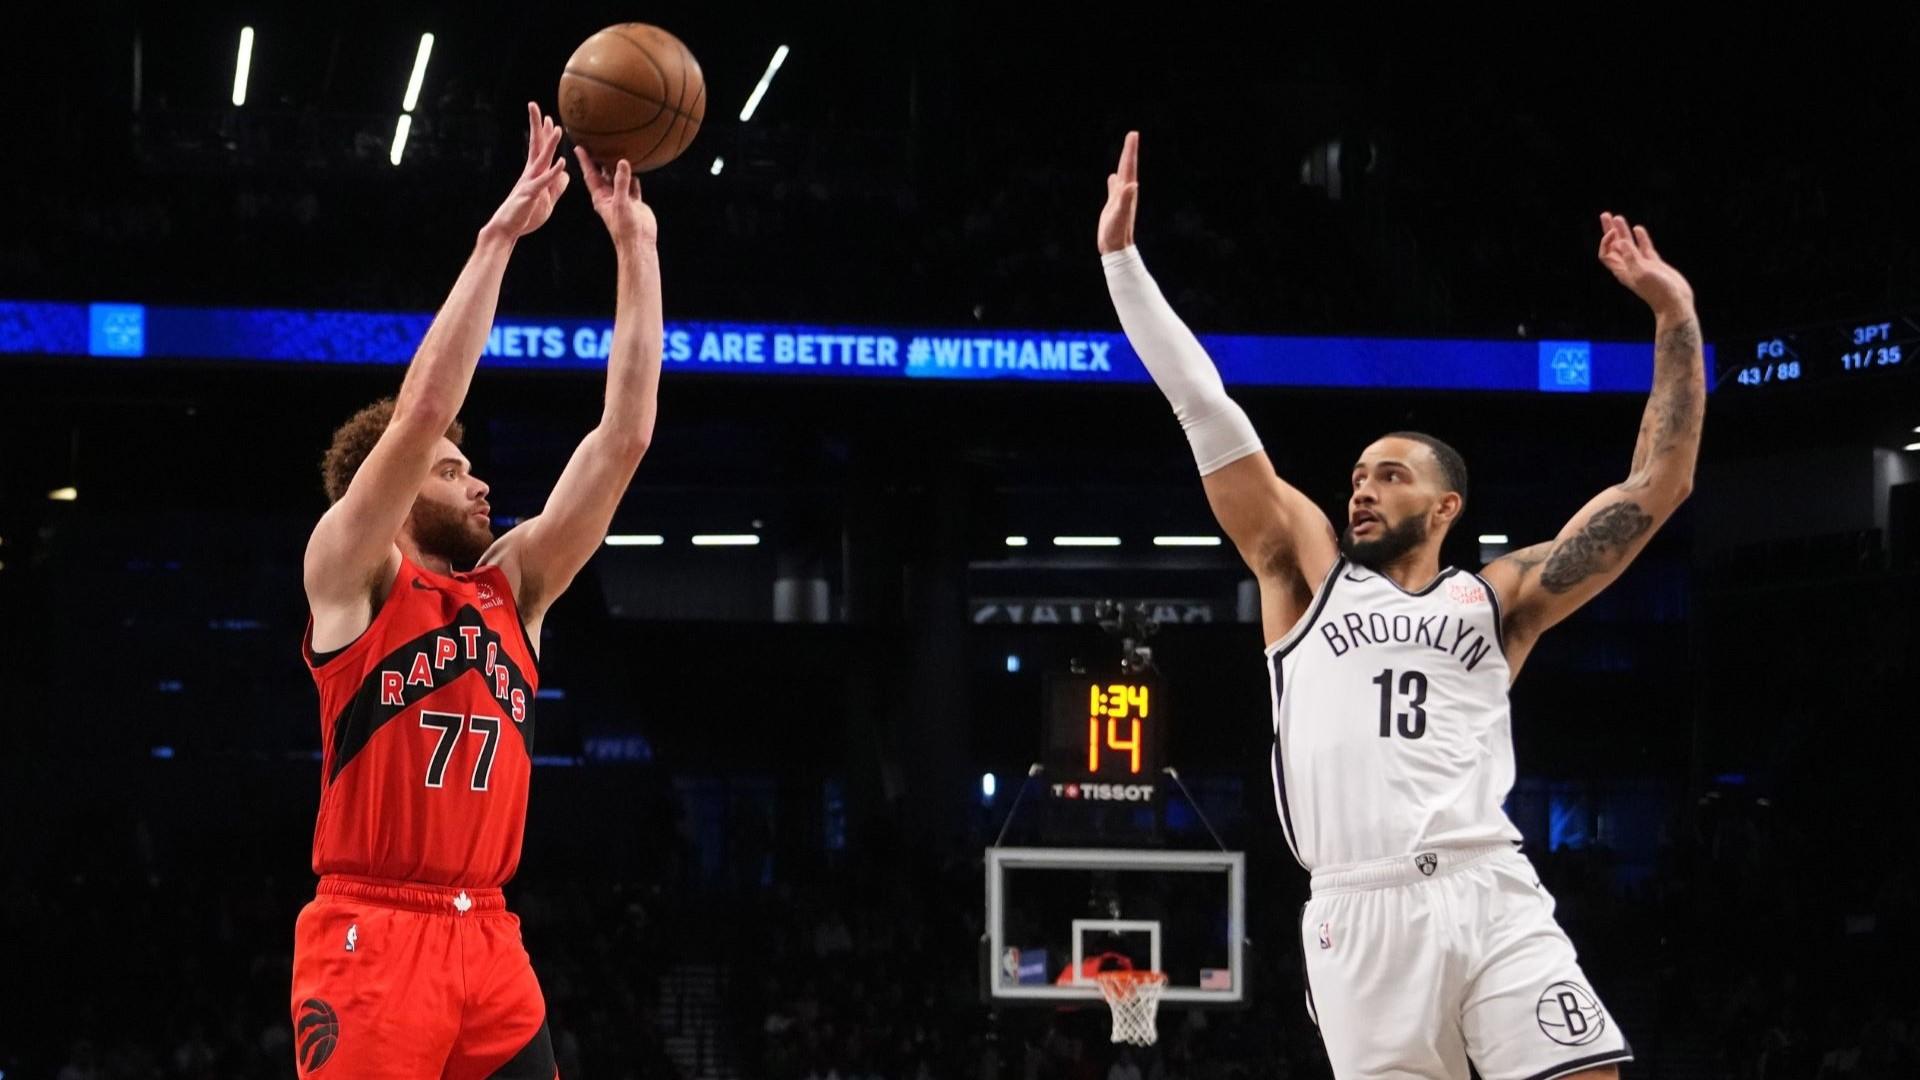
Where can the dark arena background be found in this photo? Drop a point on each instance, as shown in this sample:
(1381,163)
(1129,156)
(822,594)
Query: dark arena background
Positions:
(768,771)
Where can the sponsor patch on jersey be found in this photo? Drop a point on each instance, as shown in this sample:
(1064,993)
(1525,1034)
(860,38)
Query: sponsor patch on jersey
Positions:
(488,598)
(1466,592)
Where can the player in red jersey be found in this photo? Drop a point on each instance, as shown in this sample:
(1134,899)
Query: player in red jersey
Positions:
(424,644)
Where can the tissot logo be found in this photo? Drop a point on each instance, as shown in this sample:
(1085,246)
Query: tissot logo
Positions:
(1105,792)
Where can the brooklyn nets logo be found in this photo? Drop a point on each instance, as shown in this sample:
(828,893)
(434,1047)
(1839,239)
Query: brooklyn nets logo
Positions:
(1569,1015)
(1427,863)
(317,1031)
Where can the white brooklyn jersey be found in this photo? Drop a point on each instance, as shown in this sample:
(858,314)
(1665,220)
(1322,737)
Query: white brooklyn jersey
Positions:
(1391,731)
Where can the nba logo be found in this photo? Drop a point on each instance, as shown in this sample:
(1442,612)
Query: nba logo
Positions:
(1010,965)
(353,937)
(1569,1014)
(1326,935)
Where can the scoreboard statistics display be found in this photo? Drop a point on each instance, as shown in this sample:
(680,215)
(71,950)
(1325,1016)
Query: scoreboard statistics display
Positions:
(1838,352)
(1103,737)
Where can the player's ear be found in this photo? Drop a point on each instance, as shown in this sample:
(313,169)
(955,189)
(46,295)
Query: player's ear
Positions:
(1448,508)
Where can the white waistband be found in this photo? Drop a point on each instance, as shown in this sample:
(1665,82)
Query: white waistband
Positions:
(1401,869)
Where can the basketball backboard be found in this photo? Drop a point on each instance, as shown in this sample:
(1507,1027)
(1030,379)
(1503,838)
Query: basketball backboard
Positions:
(1055,916)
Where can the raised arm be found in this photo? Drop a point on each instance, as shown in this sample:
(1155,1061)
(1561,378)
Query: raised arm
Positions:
(1545,583)
(1283,537)
(542,555)
(352,550)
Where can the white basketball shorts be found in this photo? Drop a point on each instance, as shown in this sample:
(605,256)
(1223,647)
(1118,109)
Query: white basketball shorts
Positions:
(1418,963)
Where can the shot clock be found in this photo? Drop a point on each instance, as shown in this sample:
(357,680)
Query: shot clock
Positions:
(1103,737)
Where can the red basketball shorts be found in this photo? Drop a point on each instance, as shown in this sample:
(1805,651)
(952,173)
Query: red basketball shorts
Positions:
(397,980)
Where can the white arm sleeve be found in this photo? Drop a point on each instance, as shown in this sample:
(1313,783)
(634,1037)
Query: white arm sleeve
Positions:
(1217,429)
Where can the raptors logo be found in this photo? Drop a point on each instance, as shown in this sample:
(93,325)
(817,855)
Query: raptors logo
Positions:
(1569,1014)
(1427,862)
(315,1033)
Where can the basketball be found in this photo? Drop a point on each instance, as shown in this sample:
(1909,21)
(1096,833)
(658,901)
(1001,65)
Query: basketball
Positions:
(632,91)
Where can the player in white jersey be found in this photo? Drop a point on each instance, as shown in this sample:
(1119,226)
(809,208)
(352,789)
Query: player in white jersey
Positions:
(1429,941)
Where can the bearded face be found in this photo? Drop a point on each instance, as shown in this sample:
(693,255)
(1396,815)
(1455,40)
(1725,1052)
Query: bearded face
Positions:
(457,534)
(1382,541)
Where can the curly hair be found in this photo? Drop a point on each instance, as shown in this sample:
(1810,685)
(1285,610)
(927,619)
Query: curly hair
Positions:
(355,439)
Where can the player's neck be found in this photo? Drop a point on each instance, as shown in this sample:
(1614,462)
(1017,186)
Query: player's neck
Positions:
(439,564)
(1413,571)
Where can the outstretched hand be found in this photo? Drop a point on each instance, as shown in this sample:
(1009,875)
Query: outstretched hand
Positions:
(541,181)
(1628,251)
(1123,198)
(616,198)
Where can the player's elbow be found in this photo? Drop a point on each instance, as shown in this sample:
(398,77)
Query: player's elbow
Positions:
(625,445)
(1674,486)
(422,413)
(1666,488)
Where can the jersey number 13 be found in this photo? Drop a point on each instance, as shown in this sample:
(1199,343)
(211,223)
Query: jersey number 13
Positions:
(1413,687)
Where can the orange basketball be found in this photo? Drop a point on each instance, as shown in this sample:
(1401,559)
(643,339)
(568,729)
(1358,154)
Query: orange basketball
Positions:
(632,91)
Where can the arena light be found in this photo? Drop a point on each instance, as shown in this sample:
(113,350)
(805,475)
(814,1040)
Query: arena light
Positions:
(766,80)
(242,66)
(635,540)
(419,73)
(65,494)
(989,784)
(1493,538)
(1016,541)
(1186,541)
(726,540)
(718,164)
(1013,664)
(400,130)
(1911,446)
(1086,541)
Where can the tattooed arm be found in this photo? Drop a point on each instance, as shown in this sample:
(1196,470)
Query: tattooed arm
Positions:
(1543,584)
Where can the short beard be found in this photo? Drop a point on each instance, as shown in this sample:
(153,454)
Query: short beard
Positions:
(447,534)
(1394,541)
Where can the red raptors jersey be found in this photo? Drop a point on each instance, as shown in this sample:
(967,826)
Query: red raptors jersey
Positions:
(427,724)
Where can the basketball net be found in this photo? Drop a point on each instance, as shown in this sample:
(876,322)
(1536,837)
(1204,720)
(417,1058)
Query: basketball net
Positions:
(1134,997)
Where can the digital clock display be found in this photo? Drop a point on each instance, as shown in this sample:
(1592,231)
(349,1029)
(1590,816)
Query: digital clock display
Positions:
(1837,352)
(1104,730)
